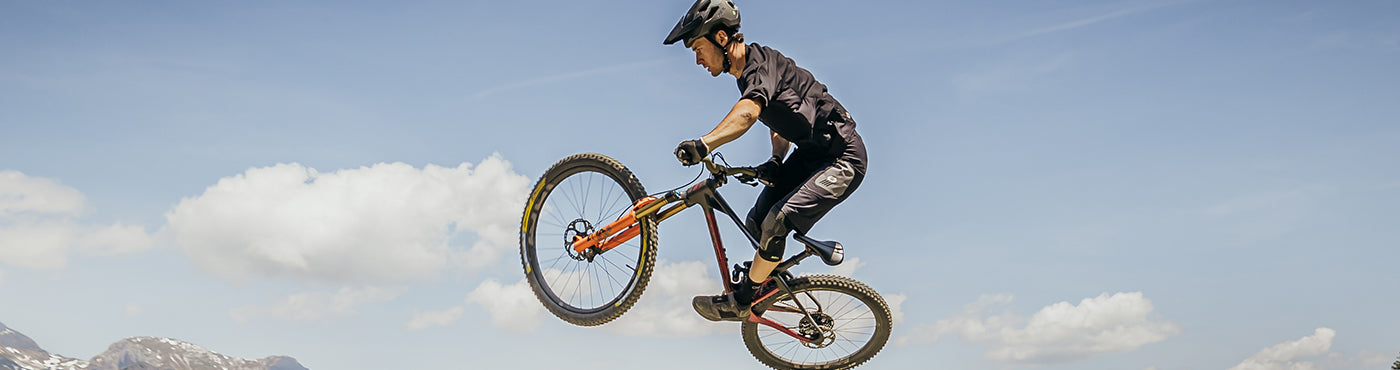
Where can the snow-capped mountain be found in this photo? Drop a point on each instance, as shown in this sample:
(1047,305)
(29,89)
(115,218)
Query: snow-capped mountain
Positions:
(19,352)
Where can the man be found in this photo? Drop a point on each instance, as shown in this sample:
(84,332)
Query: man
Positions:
(827,166)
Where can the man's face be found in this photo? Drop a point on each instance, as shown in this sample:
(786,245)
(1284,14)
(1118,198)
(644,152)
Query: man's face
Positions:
(708,55)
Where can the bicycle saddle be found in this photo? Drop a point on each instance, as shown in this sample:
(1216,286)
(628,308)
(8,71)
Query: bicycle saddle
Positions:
(831,252)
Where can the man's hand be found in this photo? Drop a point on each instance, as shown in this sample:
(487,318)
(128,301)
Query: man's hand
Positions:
(690,152)
(768,170)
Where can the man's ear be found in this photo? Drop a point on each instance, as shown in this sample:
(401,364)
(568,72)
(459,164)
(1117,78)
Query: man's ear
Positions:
(722,37)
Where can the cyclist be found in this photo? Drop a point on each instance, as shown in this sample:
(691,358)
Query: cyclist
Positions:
(828,164)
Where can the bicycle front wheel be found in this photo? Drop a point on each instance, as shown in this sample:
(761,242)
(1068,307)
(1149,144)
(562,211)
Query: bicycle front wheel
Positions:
(574,197)
(849,321)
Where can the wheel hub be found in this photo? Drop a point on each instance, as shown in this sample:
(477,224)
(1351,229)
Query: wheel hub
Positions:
(819,334)
(579,228)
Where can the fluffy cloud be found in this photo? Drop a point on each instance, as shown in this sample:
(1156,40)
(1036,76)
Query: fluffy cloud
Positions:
(1288,355)
(512,307)
(312,306)
(40,225)
(1058,333)
(24,194)
(664,310)
(1311,353)
(846,268)
(386,222)
(896,302)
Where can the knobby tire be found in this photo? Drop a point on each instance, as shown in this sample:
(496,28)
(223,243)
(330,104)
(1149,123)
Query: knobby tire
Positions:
(567,188)
(787,356)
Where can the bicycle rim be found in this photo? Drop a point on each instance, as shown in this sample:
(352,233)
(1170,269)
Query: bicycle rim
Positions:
(579,200)
(854,321)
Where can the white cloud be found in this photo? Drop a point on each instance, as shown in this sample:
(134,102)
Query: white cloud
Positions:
(386,222)
(24,194)
(1293,355)
(43,244)
(424,320)
(972,322)
(1058,333)
(896,302)
(40,225)
(664,309)
(115,239)
(1287,352)
(312,306)
(847,268)
(512,307)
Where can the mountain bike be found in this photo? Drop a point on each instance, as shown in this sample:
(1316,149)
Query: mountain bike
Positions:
(588,246)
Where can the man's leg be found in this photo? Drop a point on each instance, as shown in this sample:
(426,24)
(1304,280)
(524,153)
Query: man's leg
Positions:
(798,210)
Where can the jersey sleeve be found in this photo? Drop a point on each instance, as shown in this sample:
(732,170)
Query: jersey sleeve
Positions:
(760,81)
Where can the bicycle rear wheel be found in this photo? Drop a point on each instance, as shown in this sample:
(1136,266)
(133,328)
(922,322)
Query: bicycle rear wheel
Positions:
(853,320)
(575,196)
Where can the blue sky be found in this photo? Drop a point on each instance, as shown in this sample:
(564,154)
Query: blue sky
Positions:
(1064,185)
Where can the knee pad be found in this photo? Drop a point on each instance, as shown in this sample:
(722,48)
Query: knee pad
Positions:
(755,228)
(774,237)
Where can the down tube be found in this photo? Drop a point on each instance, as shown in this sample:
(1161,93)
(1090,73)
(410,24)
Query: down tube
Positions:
(717,201)
(719,249)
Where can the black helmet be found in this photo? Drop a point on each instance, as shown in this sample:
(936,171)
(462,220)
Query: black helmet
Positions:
(705,17)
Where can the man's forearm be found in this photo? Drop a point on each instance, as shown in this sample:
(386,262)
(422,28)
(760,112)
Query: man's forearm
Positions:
(734,125)
(780,145)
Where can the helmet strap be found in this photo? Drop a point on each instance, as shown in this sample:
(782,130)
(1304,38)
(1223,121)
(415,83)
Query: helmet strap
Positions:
(723,49)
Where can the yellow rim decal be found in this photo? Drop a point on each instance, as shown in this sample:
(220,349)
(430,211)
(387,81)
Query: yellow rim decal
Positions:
(524,221)
(644,251)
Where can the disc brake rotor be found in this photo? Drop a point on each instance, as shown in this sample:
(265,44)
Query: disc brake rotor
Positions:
(577,229)
(818,334)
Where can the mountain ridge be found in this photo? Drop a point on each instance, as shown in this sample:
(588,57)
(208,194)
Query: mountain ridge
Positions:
(19,352)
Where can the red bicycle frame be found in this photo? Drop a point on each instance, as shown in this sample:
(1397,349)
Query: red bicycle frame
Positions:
(704,194)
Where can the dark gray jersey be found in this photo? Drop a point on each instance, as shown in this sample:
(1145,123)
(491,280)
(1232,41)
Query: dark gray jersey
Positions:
(795,104)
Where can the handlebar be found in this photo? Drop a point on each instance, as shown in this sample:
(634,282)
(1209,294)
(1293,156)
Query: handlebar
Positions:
(747,175)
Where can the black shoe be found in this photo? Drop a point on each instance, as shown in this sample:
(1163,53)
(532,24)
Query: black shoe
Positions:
(720,308)
(761,292)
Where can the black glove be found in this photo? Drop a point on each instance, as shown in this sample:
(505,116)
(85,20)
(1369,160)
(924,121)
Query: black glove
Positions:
(764,173)
(690,152)
(768,171)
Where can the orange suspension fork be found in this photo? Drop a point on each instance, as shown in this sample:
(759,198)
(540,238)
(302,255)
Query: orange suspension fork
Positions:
(617,232)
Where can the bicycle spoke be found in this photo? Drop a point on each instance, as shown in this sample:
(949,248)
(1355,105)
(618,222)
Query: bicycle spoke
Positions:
(595,198)
(852,325)
(610,262)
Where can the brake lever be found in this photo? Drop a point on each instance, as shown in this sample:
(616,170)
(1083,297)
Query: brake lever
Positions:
(747,180)
(751,180)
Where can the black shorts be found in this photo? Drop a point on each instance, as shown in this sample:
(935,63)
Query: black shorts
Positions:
(808,185)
